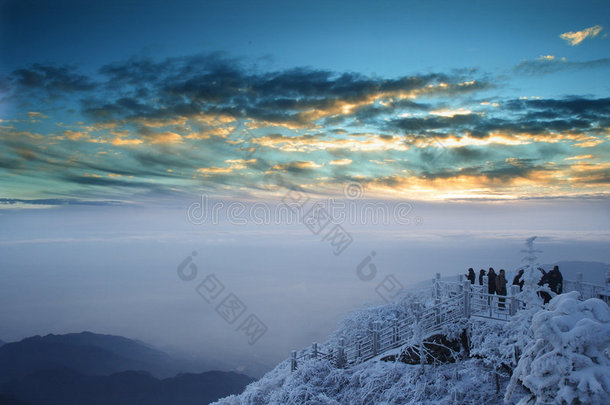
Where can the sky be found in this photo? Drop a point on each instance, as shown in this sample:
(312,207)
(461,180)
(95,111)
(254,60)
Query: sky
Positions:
(437,134)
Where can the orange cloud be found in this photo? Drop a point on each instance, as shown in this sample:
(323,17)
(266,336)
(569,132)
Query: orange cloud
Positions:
(234,164)
(297,165)
(576,37)
(340,162)
(125,142)
(363,143)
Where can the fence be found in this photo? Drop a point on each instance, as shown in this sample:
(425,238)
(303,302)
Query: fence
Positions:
(453,301)
(586,290)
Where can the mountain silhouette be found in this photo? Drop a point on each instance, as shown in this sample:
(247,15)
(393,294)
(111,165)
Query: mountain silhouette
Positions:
(68,387)
(87,353)
(90,368)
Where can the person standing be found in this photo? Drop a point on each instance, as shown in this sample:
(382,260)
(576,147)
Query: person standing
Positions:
(491,281)
(555,280)
(501,287)
(491,285)
(518,280)
(544,280)
(481,275)
(471,276)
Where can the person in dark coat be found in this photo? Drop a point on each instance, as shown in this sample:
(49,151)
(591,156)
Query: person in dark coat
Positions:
(518,280)
(501,287)
(481,275)
(471,276)
(491,281)
(555,280)
(544,280)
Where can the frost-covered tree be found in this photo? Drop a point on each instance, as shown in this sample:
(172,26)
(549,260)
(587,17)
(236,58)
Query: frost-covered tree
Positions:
(531,275)
(567,361)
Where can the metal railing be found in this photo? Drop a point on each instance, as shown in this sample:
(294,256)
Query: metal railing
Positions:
(453,301)
(586,290)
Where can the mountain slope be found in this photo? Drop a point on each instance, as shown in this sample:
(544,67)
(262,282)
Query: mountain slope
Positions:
(575,334)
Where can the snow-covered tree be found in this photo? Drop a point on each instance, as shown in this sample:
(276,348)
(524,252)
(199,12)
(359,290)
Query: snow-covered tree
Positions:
(567,361)
(531,275)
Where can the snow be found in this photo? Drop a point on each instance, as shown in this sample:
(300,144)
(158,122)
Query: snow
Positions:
(318,382)
(558,353)
(567,359)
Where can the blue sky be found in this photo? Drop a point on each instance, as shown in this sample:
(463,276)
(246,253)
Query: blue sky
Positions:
(491,120)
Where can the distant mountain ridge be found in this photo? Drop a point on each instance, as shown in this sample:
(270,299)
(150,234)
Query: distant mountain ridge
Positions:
(67,387)
(90,368)
(87,353)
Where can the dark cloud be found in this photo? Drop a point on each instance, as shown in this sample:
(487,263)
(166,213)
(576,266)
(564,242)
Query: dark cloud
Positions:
(570,106)
(54,79)
(504,172)
(108,182)
(435,122)
(536,116)
(213,84)
(543,66)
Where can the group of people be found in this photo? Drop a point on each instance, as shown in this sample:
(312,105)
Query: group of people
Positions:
(496,283)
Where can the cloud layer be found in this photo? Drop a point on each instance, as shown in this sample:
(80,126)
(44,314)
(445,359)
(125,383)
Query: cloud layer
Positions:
(145,128)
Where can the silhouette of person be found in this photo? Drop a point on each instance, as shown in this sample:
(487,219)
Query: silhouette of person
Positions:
(491,281)
(501,287)
(471,276)
(518,280)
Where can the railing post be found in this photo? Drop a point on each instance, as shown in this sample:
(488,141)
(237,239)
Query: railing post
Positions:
(395,337)
(579,284)
(486,291)
(359,346)
(437,298)
(293,360)
(314,350)
(514,304)
(466,287)
(341,353)
(375,338)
